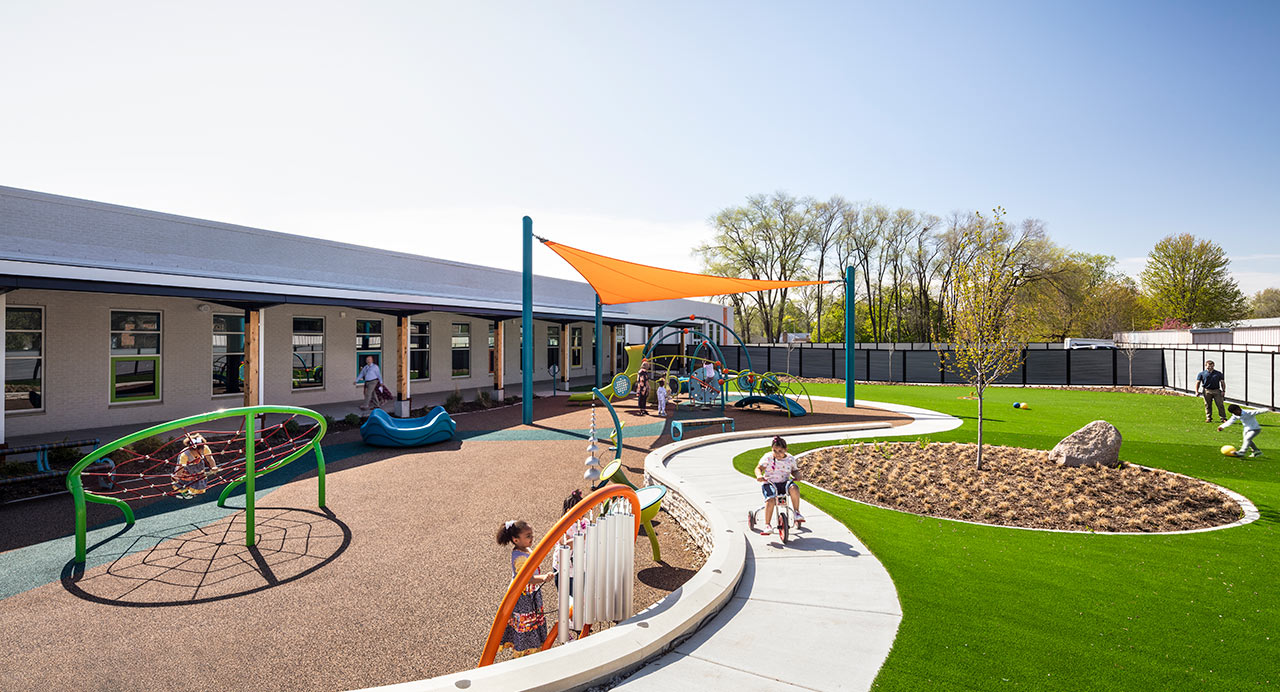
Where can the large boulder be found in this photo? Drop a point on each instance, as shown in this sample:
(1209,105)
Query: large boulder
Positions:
(1096,444)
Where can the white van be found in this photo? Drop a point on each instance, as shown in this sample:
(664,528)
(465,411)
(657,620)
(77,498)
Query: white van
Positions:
(1074,343)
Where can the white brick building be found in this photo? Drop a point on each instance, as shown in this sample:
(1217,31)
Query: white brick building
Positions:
(119,316)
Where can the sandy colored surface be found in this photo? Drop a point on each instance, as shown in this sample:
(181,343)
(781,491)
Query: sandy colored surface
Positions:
(398,582)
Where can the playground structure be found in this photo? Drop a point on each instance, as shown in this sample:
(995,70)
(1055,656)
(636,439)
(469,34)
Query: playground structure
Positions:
(634,357)
(196,460)
(381,430)
(595,542)
(770,388)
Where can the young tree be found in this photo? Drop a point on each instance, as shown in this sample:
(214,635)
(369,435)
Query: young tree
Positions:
(1187,279)
(986,339)
(1129,349)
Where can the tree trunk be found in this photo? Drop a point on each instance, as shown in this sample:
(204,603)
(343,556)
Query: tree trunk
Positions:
(979,429)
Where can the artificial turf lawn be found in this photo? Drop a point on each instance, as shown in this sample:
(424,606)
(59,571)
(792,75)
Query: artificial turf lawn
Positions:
(988,607)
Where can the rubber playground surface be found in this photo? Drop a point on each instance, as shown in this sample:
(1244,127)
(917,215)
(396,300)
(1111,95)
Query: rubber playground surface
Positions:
(398,580)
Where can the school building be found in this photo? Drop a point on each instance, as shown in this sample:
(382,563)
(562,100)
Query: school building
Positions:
(119,316)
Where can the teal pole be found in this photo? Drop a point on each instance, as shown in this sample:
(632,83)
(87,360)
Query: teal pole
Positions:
(599,343)
(526,328)
(849,309)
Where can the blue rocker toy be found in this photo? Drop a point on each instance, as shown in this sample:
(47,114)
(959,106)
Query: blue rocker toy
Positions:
(382,430)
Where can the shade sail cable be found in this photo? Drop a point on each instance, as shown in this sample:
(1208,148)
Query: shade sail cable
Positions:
(619,281)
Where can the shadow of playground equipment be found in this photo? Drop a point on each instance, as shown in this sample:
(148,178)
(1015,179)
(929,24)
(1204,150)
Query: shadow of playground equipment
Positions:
(189,564)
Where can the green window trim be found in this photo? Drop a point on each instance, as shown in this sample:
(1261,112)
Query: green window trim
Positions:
(155,359)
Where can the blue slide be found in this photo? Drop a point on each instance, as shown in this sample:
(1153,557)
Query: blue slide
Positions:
(792,406)
(382,430)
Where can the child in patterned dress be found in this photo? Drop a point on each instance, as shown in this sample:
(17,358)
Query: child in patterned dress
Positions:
(527,628)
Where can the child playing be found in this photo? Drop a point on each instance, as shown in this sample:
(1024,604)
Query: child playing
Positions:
(1248,419)
(527,628)
(775,471)
(663,393)
(194,464)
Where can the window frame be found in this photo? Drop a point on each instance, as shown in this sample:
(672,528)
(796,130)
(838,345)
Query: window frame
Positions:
(426,351)
(293,332)
(493,331)
(558,333)
(155,358)
(575,347)
(454,349)
(368,351)
(244,333)
(40,359)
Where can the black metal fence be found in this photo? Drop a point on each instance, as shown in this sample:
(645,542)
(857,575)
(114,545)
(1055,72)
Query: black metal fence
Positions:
(1251,375)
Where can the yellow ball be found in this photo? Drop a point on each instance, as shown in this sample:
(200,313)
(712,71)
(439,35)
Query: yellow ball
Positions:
(1228,450)
(1024,406)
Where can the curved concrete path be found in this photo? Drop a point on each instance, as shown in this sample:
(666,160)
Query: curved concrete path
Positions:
(818,614)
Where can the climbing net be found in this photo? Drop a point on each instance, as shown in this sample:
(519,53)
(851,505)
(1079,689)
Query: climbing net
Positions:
(186,462)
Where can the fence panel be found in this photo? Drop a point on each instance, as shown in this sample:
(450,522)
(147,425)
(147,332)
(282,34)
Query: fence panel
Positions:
(817,362)
(877,365)
(922,366)
(1046,367)
(1147,368)
(837,356)
(1089,367)
(1258,387)
(759,358)
(1232,366)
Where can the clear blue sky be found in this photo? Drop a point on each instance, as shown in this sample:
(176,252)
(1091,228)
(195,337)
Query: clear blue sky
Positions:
(431,127)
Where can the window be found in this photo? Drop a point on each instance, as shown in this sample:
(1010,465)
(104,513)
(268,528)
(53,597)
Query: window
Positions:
(553,346)
(419,350)
(135,356)
(228,354)
(308,352)
(619,349)
(461,343)
(368,343)
(575,347)
(491,349)
(23,359)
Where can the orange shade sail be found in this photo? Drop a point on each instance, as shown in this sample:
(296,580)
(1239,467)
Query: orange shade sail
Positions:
(618,281)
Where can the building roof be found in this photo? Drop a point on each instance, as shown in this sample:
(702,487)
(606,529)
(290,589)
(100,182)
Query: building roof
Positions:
(63,243)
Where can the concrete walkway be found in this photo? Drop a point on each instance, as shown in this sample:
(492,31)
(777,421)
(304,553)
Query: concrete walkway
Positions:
(819,613)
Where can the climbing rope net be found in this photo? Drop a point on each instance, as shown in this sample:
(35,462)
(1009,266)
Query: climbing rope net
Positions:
(193,459)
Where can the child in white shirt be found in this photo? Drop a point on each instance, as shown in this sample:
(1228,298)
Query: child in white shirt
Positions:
(662,397)
(1247,418)
(775,471)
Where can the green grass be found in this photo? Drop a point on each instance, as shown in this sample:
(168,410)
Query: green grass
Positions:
(988,607)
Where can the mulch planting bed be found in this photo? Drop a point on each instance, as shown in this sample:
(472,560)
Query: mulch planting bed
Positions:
(1017,487)
(1121,390)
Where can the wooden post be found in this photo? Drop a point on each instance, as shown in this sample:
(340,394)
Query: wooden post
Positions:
(252,359)
(499,359)
(404,399)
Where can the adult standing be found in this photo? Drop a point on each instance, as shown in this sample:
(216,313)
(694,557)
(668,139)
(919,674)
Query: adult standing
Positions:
(1212,385)
(371,375)
(642,387)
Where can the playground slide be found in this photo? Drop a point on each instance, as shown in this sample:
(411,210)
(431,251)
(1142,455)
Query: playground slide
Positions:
(791,405)
(382,430)
(634,355)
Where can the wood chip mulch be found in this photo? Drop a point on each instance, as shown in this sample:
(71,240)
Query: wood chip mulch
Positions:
(1017,487)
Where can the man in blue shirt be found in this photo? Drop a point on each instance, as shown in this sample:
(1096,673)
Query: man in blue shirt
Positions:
(371,376)
(1211,385)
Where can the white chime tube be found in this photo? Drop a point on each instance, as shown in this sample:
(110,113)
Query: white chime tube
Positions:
(562,588)
(579,580)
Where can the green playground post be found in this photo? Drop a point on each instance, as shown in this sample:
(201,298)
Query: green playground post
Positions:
(526,328)
(849,309)
(250,423)
(617,425)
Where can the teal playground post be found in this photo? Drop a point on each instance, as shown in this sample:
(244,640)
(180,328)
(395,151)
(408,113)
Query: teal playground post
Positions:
(849,309)
(162,473)
(599,343)
(526,328)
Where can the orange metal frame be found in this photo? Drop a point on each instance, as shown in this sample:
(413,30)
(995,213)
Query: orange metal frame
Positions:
(540,552)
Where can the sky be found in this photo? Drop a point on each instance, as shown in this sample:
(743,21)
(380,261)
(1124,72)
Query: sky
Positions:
(622,128)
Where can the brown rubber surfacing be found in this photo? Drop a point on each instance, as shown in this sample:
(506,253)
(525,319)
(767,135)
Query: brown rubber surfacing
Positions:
(411,595)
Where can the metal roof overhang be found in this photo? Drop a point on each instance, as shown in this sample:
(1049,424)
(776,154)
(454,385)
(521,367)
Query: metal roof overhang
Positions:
(260,294)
